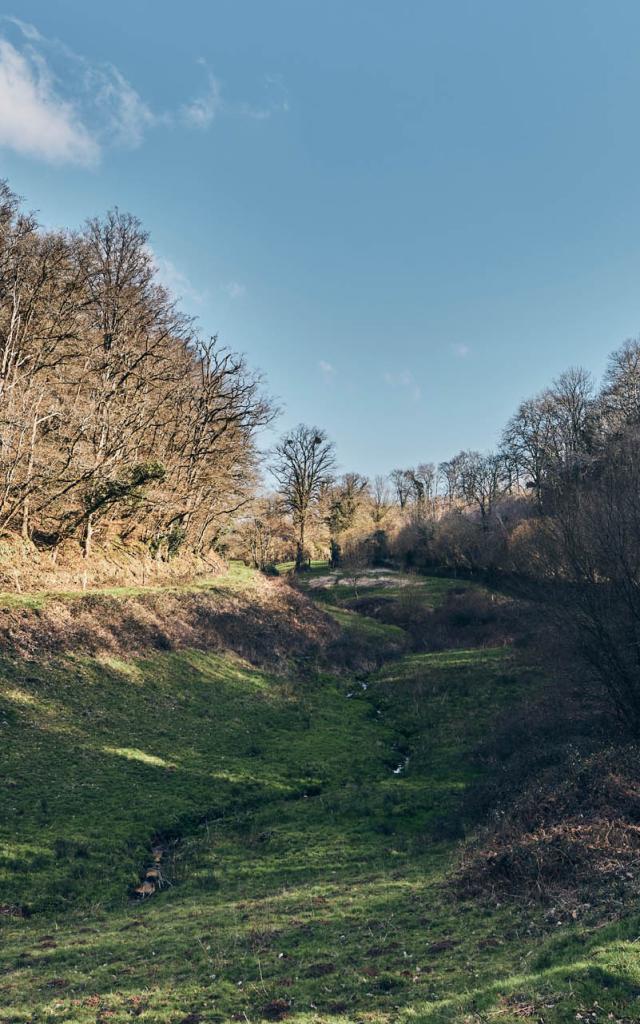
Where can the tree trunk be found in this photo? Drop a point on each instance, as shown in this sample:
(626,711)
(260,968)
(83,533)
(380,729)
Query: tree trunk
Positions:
(300,548)
(25,520)
(28,476)
(88,534)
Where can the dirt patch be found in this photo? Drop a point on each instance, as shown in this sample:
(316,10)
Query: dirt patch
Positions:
(442,946)
(369,578)
(320,970)
(372,606)
(277,1009)
(12,910)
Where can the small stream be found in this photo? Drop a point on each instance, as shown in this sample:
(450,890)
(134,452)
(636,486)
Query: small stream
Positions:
(153,878)
(154,875)
(402,767)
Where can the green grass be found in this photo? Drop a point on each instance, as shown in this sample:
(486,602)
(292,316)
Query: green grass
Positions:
(367,628)
(318,565)
(307,872)
(428,590)
(341,599)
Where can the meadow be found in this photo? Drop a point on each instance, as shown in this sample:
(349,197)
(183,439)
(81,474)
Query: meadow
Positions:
(311,819)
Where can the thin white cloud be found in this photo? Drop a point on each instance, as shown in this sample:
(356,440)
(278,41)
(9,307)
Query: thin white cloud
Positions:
(36,121)
(235,290)
(126,115)
(58,106)
(404,380)
(28,31)
(202,110)
(327,369)
(181,287)
(461,351)
(175,280)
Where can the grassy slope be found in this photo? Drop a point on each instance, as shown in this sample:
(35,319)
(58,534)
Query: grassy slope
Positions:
(311,879)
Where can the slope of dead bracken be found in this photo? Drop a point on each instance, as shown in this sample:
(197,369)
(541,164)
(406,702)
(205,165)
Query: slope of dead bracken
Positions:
(26,568)
(261,619)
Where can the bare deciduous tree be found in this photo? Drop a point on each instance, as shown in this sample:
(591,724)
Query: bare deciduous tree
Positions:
(114,414)
(303,464)
(380,499)
(401,482)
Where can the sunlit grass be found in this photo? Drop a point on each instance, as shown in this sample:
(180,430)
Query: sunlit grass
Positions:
(138,755)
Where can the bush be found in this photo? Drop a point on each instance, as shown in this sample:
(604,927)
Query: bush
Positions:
(466,618)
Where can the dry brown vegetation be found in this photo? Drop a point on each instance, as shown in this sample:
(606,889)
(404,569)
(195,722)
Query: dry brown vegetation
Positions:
(117,417)
(558,800)
(26,569)
(266,622)
(465,618)
(572,835)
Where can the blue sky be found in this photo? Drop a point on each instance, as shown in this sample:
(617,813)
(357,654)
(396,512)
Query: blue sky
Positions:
(408,215)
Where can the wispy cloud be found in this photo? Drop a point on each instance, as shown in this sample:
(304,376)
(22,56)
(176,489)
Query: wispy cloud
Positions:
(28,31)
(175,280)
(327,369)
(404,380)
(461,351)
(180,285)
(58,106)
(126,115)
(235,290)
(202,110)
(34,119)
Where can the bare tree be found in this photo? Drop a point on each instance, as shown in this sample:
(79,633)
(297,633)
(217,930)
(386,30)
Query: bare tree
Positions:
(448,478)
(421,481)
(528,442)
(345,496)
(114,414)
(619,399)
(549,432)
(427,474)
(303,464)
(482,481)
(401,482)
(572,394)
(380,499)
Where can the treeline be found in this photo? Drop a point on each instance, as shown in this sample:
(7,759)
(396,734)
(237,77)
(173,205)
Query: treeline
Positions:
(512,510)
(556,507)
(475,511)
(115,415)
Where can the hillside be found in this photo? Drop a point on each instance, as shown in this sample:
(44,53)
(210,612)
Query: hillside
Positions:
(298,771)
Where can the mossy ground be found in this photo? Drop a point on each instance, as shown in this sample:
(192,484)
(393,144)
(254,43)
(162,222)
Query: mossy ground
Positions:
(311,881)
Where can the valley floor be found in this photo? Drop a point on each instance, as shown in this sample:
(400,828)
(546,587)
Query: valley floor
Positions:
(312,818)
